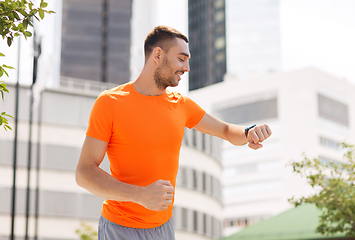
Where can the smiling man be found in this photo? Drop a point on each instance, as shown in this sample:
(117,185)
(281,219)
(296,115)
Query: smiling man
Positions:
(141,126)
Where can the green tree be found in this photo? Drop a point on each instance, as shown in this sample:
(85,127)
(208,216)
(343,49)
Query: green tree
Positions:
(86,232)
(16,16)
(336,191)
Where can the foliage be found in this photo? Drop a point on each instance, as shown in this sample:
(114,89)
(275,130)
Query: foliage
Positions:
(3,121)
(17,15)
(336,197)
(86,232)
(15,18)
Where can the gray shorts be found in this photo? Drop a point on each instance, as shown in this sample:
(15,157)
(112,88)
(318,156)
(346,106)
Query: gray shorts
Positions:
(112,231)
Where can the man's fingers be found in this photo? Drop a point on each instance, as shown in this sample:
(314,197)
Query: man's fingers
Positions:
(255,146)
(265,133)
(164,182)
(259,133)
(169,189)
(268,129)
(169,196)
(254,137)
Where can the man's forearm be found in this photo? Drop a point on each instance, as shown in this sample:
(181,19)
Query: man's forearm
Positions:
(235,134)
(100,183)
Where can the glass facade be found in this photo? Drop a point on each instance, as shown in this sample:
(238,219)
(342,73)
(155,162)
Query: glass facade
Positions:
(82,40)
(207,42)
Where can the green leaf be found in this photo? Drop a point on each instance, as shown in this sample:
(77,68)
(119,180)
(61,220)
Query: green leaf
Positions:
(41,13)
(23,12)
(25,23)
(28,34)
(2,55)
(20,27)
(33,12)
(9,41)
(9,67)
(16,16)
(44,4)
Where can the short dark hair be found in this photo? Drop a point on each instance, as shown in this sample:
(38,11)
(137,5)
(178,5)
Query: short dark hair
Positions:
(161,36)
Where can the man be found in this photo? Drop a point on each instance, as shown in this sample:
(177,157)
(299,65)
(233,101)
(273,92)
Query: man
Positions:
(141,126)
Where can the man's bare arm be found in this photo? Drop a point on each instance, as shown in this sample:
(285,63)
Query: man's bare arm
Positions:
(234,133)
(156,196)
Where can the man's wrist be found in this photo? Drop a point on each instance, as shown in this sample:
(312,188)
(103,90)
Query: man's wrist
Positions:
(247,129)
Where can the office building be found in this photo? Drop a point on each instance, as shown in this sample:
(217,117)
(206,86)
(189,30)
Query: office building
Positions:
(308,111)
(88,46)
(207,42)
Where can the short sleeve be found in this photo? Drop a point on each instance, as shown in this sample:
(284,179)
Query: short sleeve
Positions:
(194,113)
(101,119)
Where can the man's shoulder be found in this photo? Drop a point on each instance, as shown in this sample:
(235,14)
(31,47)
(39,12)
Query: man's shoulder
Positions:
(175,96)
(119,91)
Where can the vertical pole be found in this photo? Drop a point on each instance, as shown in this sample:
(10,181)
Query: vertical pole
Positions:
(13,202)
(38,164)
(29,163)
(36,50)
(104,40)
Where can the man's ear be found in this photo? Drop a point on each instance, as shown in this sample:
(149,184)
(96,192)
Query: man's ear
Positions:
(157,54)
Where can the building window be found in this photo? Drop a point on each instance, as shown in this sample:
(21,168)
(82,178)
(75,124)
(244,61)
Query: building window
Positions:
(250,112)
(194,138)
(203,141)
(250,188)
(266,166)
(212,187)
(333,110)
(204,223)
(195,219)
(329,143)
(195,180)
(328,161)
(204,188)
(184,218)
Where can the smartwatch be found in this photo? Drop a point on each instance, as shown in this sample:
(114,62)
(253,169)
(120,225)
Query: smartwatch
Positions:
(247,130)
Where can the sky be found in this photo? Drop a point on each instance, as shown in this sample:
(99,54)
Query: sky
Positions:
(319,33)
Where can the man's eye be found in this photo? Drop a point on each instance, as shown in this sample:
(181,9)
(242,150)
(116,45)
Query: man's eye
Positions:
(181,59)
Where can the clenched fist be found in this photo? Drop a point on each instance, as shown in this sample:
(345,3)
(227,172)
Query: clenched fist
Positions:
(257,135)
(157,196)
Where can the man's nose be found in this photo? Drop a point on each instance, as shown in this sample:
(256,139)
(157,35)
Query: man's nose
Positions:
(186,67)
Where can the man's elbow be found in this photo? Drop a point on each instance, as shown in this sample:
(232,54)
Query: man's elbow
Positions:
(79,177)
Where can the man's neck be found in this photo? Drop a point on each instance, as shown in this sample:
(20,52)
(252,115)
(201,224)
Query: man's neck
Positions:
(145,84)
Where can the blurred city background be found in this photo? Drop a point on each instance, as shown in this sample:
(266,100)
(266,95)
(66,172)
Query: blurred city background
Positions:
(287,63)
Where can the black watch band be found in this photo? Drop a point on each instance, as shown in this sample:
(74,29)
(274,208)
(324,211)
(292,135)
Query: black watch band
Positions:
(247,130)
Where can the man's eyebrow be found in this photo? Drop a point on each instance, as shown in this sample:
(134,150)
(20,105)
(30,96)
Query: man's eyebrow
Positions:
(185,54)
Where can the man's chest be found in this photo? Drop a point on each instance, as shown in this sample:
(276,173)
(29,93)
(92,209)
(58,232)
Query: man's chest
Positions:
(147,125)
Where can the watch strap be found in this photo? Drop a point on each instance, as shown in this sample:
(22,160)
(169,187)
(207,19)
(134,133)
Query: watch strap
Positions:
(247,130)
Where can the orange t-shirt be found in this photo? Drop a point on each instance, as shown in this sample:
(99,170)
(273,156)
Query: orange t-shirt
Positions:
(144,135)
